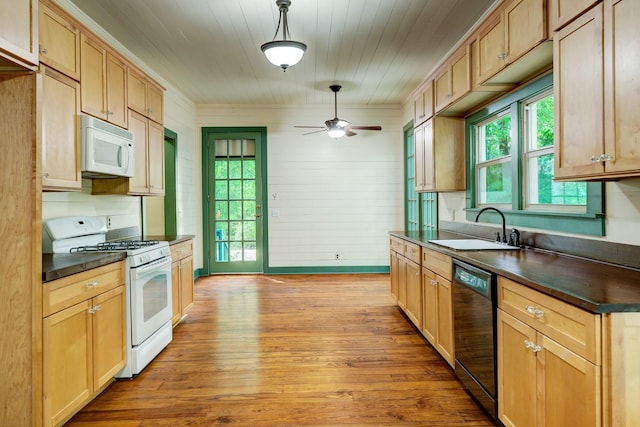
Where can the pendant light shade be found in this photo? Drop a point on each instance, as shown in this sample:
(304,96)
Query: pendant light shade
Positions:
(283,53)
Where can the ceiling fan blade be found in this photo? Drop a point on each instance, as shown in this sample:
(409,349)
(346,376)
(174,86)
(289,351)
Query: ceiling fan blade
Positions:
(310,127)
(349,132)
(315,131)
(366,127)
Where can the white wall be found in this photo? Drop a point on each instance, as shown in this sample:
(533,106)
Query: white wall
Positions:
(331,196)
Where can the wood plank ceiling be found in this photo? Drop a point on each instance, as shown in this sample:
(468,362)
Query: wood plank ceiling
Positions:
(379,50)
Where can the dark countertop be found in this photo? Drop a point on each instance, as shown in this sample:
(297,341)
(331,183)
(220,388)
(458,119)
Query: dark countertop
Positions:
(594,286)
(55,266)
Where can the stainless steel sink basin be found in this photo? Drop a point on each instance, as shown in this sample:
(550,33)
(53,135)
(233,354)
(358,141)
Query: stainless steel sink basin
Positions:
(473,245)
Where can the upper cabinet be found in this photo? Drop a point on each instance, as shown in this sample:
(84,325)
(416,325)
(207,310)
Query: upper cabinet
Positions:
(561,12)
(595,74)
(19,33)
(144,96)
(103,78)
(453,81)
(423,104)
(59,42)
(511,43)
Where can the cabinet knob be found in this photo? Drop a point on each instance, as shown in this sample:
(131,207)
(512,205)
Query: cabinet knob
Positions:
(93,310)
(433,282)
(43,50)
(534,311)
(93,284)
(530,344)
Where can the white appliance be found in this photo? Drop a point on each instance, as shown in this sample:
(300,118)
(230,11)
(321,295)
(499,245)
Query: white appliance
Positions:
(148,282)
(107,150)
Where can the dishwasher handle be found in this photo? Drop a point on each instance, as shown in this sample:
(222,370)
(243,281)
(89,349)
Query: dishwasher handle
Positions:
(473,278)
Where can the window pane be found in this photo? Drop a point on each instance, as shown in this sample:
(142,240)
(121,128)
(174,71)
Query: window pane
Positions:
(249,169)
(494,139)
(494,184)
(235,210)
(221,169)
(540,116)
(235,169)
(542,189)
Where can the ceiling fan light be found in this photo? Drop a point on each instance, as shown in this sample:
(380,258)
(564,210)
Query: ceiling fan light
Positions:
(336,132)
(284,53)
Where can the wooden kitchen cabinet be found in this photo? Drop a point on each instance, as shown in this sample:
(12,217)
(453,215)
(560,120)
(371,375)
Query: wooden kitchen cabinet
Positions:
(437,303)
(597,134)
(182,279)
(103,78)
(59,41)
(144,96)
(549,360)
(406,280)
(517,28)
(423,104)
(454,80)
(19,33)
(439,155)
(396,250)
(61,162)
(413,304)
(84,338)
(561,12)
(149,162)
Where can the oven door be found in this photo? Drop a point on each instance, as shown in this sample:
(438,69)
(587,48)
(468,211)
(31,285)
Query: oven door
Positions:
(150,298)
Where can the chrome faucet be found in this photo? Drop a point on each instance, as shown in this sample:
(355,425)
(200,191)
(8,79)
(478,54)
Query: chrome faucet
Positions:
(504,224)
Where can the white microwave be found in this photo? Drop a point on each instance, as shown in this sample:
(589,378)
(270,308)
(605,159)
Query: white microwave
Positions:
(107,150)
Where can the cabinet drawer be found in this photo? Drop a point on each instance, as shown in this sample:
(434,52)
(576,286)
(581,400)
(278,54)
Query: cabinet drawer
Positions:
(412,252)
(576,329)
(62,293)
(181,250)
(437,262)
(397,245)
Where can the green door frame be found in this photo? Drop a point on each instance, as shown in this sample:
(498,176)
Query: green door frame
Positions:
(170,205)
(206,217)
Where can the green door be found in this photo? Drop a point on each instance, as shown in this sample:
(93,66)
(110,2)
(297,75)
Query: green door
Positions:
(234,202)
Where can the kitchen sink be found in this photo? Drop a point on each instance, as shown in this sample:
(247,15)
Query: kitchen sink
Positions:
(473,245)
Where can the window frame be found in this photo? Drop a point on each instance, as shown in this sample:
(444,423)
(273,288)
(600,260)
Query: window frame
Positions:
(591,222)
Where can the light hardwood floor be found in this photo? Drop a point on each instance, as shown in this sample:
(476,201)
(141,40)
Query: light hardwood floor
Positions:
(299,350)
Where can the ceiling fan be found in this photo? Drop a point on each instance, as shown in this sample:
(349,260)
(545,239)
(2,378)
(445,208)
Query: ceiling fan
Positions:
(337,128)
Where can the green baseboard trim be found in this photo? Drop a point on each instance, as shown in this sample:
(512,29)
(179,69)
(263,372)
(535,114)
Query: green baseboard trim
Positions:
(328,270)
(199,272)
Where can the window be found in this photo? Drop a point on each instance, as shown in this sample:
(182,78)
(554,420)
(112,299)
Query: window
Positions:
(421,209)
(511,166)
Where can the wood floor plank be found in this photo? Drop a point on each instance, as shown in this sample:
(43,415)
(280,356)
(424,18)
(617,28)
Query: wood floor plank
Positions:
(299,350)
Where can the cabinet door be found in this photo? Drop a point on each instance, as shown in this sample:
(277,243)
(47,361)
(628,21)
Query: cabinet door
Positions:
(460,74)
(447,155)
(418,158)
(516,373)
(59,43)
(578,95)
(186,284)
(136,92)
(175,293)
(139,184)
(622,60)
(570,386)
(429,180)
(116,91)
(60,139)
(491,49)
(525,27)
(402,282)
(155,106)
(430,306)
(109,335)
(67,354)
(563,11)
(423,105)
(93,77)
(155,147)
(414,293)
(442,89)
(445,320)
(19,31)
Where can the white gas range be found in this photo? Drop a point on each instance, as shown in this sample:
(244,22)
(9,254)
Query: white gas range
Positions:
(148,281)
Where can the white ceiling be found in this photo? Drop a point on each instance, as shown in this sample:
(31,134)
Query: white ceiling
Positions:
(378,50)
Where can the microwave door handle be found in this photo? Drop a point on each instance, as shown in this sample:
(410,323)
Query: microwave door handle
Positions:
(123,157)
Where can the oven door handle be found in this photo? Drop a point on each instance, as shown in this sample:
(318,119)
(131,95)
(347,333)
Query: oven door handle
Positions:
(152,266)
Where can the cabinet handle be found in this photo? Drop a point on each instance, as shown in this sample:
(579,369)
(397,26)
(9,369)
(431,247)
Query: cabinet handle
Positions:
(601,158)
(529,344)
(534,311)
(93,284)
(43,50)
(46,174)
(433,282)
(93,310)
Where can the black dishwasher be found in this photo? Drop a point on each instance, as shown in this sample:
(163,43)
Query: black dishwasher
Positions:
(474,311)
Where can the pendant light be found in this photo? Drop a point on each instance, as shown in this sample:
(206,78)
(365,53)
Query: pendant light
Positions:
(283,53)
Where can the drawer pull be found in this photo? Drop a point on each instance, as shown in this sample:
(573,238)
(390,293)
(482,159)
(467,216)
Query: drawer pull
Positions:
(529,344)
(534,311)
(93,284)
(433,282)
(94,309)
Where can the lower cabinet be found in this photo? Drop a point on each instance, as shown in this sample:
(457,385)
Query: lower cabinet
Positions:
(541,381)
(84,338)
(413,305)
(182,279)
